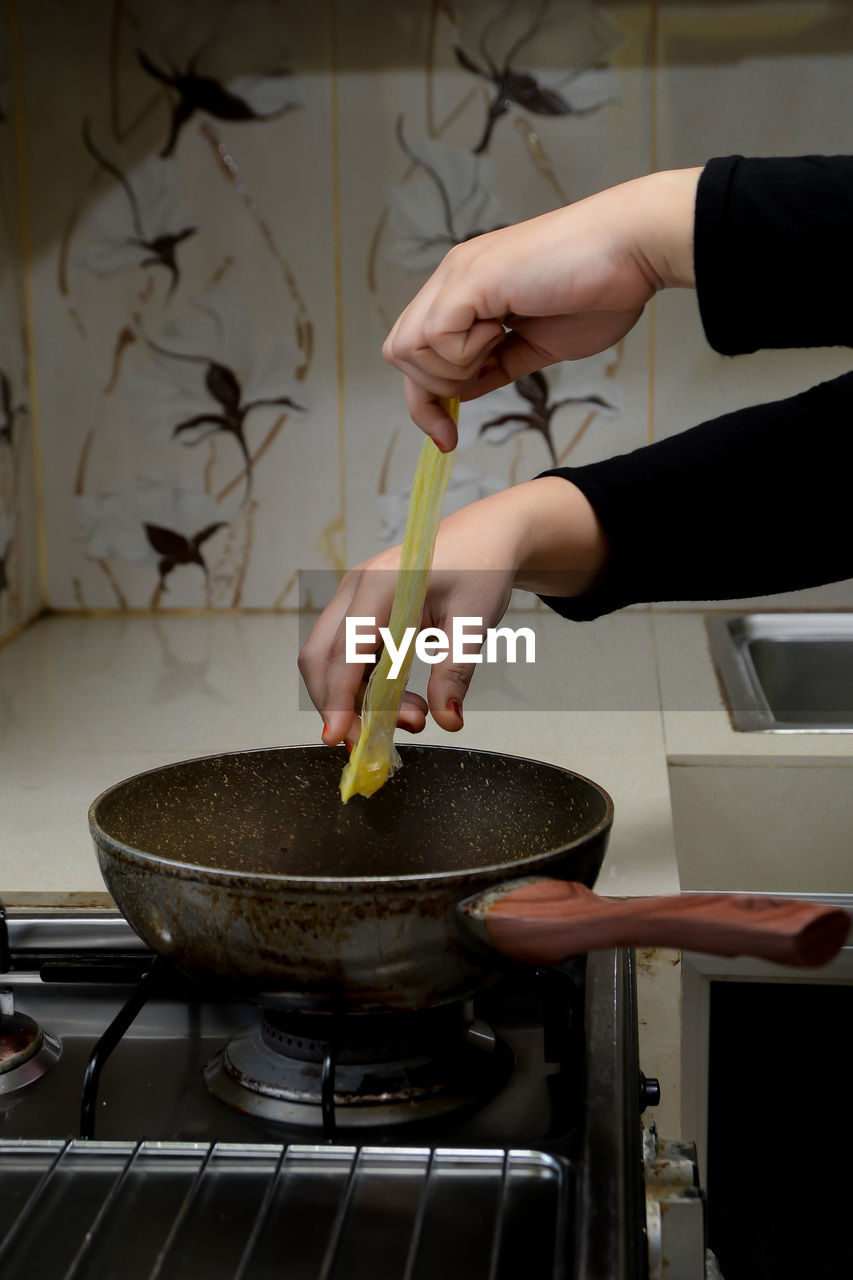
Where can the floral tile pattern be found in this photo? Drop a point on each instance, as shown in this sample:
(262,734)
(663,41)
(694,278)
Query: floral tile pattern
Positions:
(479,115)
(183,294)
(227,202)
(19,575)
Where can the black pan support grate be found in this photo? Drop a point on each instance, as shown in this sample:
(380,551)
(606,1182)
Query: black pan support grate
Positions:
(161,1210)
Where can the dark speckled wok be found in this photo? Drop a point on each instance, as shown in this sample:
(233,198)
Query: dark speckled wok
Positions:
(250,873)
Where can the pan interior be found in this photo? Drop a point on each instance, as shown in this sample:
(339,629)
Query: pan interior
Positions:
(278,812)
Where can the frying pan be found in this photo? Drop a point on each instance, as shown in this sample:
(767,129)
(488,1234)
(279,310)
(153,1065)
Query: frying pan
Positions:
(247,870)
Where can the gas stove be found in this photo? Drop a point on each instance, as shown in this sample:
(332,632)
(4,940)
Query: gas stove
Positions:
(153,1127)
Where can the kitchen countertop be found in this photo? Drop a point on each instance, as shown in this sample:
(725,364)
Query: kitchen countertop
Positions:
(86,701)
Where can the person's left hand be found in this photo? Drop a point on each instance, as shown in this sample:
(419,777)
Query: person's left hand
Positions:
(337,687)
(541,536)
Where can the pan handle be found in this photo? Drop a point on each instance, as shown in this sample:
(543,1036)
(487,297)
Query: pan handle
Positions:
(546,921)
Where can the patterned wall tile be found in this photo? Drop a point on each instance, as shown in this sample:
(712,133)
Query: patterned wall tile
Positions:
(20,592)
(428,85)
(180,178)
(227,198)
(750,79)
(229,201)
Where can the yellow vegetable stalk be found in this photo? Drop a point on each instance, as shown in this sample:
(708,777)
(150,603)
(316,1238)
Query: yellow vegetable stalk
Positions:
(374,757)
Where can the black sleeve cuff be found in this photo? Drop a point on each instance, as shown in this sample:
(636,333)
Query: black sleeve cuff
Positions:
(773,252)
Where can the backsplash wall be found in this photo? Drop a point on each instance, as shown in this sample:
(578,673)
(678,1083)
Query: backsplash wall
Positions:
(213,211)
(20,593)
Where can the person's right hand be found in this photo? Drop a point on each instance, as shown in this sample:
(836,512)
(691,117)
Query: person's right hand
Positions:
(561,286)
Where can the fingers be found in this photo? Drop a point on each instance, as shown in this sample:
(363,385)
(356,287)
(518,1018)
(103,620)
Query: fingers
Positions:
(342,692)
(332,683)
(443,332)
(412,715)
(427,413)
(475,599)
(476,557)
(452,339)
(448,685)
(336,686)
(489,356)
(425,407)
(439,355)
(442,361)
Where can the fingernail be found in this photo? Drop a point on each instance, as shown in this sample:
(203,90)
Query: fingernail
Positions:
(488,367)
(325,730)
(349,745)
(456,706)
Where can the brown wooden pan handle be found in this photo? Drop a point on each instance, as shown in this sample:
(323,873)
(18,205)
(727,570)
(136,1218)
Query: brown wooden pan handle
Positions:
(546,921)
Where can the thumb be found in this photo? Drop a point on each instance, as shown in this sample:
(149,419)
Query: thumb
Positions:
(446,690)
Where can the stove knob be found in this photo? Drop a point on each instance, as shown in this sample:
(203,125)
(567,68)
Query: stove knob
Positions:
(7,1002)
(649,1092)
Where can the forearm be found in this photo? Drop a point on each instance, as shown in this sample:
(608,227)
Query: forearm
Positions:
(561,546)
(661,226)
(753,503)
(542,536)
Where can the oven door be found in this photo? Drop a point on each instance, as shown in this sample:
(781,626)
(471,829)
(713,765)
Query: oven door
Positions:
(766,1092)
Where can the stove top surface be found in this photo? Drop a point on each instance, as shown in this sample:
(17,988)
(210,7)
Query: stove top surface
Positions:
(114,1136)
(520,1045)
(155,1082)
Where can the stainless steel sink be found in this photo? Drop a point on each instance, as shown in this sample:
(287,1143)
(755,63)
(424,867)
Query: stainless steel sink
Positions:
(785,672)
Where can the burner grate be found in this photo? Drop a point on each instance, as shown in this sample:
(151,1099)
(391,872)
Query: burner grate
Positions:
(161,1210)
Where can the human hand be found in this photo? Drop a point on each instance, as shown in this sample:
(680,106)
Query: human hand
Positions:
(561,286)
(540,536)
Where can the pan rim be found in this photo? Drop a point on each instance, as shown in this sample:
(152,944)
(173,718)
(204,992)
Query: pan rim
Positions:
(275,881)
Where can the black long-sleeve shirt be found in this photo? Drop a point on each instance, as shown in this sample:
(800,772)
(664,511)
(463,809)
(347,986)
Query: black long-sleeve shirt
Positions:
(759,500)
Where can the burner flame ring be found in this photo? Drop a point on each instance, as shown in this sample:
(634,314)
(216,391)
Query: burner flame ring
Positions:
(26,1051)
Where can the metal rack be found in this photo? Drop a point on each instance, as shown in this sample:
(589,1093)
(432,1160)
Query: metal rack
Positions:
(160,1210)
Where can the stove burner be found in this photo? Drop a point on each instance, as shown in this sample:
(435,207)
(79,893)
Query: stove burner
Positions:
(26,1051)
(378,1070)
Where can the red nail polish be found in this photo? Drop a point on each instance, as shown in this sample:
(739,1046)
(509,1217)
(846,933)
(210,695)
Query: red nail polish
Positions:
(455,705)
(325,730)
(349,745)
